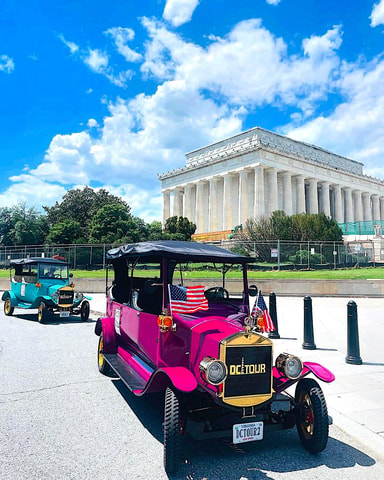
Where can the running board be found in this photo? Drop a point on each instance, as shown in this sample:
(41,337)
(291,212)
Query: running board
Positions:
(133,372)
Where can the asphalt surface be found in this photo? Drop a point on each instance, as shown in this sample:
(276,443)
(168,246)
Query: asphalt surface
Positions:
(61,419)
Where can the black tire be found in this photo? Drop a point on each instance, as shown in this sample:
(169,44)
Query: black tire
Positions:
(312,415)
(84,311)
(8,309)
(172,431)
(102,365)
(42,313)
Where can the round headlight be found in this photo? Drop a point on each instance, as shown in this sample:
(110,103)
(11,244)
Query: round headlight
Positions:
(290,365)
(213,371)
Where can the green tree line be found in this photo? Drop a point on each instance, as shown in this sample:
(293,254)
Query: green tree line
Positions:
(85,216)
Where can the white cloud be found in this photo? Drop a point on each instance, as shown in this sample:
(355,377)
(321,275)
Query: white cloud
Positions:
(178,12)
(7,64)
(92,123)
(96,60)
(356,127)
(73,47)
(121,36)
(273,2)
(377,15)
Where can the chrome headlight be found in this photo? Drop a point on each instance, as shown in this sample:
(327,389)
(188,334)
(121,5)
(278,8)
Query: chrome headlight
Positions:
(290,365)
(78,295)
(213,371)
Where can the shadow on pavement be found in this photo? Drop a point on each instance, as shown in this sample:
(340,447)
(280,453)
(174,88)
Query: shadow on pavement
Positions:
(279,452)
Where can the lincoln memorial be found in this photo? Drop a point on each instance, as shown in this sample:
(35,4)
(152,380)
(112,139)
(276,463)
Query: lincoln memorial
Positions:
(257,172)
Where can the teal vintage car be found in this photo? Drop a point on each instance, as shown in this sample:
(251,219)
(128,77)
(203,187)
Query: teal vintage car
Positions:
(44,283)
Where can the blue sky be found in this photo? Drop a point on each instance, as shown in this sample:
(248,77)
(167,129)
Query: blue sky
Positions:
(109,94)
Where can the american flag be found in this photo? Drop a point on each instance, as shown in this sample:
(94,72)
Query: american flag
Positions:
(260,310)
(187,299)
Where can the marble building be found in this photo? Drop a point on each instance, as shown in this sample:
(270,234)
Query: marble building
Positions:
(257,172)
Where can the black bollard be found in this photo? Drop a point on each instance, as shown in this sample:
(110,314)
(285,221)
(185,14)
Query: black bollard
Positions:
(309,343)
(353,349)
(273,314)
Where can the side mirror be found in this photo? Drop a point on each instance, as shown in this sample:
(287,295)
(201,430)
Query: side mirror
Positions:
(252,290)
(70,275)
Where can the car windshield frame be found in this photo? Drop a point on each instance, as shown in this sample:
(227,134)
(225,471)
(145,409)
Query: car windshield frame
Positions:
(53,270)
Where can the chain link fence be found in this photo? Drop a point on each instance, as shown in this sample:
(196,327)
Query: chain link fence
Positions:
(268,255)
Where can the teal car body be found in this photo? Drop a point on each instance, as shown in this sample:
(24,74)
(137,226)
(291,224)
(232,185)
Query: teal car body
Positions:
(45,284)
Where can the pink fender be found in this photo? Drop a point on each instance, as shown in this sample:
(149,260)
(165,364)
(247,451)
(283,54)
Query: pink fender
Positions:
(320,372)
(180,377)
(109,336)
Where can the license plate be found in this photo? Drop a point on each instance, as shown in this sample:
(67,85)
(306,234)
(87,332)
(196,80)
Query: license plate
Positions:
(64,314)
(247,432)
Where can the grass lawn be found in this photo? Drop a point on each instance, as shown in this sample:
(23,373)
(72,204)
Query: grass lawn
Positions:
(347,274)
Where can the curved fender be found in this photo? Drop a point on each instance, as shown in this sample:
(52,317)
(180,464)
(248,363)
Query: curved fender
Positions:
(320,372)
(12,296)
(109,336)
(180,377)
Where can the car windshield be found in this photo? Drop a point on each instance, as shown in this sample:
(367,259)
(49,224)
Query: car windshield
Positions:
(49,270)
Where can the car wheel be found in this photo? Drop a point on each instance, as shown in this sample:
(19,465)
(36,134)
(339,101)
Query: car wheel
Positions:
(103,366)
(8,309)
(42,313)
(312,415)
(172,431)
(84,312)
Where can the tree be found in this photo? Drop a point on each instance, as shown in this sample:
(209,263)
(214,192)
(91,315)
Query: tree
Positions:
(81,205)
(66,232)
(179,228)
(20,225)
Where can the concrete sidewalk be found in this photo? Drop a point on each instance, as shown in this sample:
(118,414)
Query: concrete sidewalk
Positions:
(356,399)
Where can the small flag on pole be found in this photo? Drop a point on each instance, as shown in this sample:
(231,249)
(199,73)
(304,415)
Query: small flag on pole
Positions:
(187,299)
(260,311)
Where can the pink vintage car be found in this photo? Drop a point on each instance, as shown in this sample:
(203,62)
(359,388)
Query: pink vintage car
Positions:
(205,348)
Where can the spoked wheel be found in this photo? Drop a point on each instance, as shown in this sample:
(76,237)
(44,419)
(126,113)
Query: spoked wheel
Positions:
(42,313)
(312,416)
(8,309)
(172,431)
(84,311)
(103,366)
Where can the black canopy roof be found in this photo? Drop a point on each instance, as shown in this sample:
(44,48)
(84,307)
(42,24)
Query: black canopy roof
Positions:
(182,251)
(36,260)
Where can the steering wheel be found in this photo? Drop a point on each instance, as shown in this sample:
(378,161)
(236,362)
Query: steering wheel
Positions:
(216,292)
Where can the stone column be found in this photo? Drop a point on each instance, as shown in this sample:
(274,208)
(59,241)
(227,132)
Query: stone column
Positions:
(166,205)
(325,202)
(339,217)
(259,203)
(300,188)
(287,193)
(367,210)
(243,196)
(358,206)
(201,207)
(375,208)
(272,198)
(178,202)
(381,208)
(213,205)
(188,201)
(227,203)
(313,201)
(349,216)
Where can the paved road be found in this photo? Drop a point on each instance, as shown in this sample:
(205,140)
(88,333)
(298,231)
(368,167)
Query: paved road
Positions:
(60,419)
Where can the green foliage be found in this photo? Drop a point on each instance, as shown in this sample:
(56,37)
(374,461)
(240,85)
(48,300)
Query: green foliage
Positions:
(179,228)
(302,256)
(66,232)
(21,226)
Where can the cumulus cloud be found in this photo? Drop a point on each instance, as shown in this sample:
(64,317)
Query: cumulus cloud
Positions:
(377,15)
(121,36)
(356,127)
(178,12)
(7,64)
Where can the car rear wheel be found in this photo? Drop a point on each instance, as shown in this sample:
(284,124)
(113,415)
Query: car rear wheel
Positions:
(84,311)
(103,366)
(42,313)
(172,431)
(312,415)
(8,309)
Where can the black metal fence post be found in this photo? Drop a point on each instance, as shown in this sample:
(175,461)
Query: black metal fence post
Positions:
(273,314)
(353,348)
(309,343)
